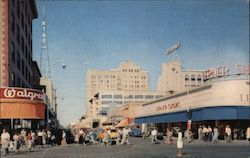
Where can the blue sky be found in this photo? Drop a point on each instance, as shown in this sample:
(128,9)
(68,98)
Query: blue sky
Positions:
(105,33)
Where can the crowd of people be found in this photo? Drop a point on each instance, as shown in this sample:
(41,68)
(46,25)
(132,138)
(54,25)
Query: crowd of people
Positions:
(101,136)
(27,139)
(205,134)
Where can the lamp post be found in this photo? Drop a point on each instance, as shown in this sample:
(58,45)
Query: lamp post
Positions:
(53,98)
(48,73)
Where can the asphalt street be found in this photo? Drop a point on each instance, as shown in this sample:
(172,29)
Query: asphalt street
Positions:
(141,148)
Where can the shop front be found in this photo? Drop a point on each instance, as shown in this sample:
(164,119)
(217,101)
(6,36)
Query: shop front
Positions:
(22,108)
(215,104)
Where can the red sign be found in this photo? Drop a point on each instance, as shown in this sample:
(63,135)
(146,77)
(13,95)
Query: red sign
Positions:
(216,72)
(22,93)
(168,106)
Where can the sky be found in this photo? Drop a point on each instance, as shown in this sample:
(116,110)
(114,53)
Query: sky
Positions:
(102,34)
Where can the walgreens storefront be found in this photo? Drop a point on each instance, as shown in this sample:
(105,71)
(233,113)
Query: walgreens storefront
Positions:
(21,108)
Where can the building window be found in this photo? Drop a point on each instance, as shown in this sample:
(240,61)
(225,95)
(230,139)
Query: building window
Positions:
(199,78)
(117,96)
(13,23)
(109,96)
(192,77)
(129,97)
(106,102)
(149,97)
(186,78)
(22,67)
(12,49)
(18,9)
(158,96)
(13,78)
(22,45)
(18,60)
(18,34)
(118,102)
(26,73)
(138,96)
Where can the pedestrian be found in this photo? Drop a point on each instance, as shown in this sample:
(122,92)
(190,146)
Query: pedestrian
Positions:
(34,138)
(248,133)
(215,135)
(44,137)
(200,133)
(125,132)
(5,139)
(40,138)
(235,133)
(210,132)
(64,143)
(169,134)
(189,135)
(241,134)
(16,139)
(228,134)
(48,137)
(29,141)
(205,133)
(154,135)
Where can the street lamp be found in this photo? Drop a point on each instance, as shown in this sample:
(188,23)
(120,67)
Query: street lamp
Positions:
(55,63)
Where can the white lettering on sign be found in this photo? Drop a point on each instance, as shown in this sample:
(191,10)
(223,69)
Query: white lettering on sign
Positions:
(23,93)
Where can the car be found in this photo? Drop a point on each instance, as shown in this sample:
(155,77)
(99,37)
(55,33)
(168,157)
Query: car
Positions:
(114,134)
(135,132)
(160,135)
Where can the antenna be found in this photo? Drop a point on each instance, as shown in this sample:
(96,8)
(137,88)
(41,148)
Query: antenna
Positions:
(45,67)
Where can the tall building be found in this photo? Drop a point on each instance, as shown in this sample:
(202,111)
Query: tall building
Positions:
(127,77)
(174,79)
(16,42)
(22,104)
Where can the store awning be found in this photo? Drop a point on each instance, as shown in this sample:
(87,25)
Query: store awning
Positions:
(22,110)
(202,114)
(127,122)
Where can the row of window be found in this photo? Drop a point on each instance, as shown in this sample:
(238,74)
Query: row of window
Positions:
(193,77)
(17,81)
(109,96)
(130,70)
(118,77)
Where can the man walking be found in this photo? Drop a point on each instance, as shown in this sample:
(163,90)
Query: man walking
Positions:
(5,139)
(153,135)
(228,134)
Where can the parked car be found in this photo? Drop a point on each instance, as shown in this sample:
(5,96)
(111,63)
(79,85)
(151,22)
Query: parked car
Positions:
(135,132)
(160,135)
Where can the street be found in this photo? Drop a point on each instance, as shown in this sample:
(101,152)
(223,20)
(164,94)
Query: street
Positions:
(141,148)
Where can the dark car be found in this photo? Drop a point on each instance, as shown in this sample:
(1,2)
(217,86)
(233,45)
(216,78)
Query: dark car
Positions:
(160,135)
(135,132)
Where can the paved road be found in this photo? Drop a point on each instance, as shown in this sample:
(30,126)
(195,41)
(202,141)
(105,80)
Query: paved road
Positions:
(141,149)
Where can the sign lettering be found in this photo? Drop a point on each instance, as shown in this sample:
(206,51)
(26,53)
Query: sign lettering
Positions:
(168,106)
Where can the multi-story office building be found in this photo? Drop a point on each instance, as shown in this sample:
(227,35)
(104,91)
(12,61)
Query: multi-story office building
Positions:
(16,42)
(127,77)
(101,102)
(175,79)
